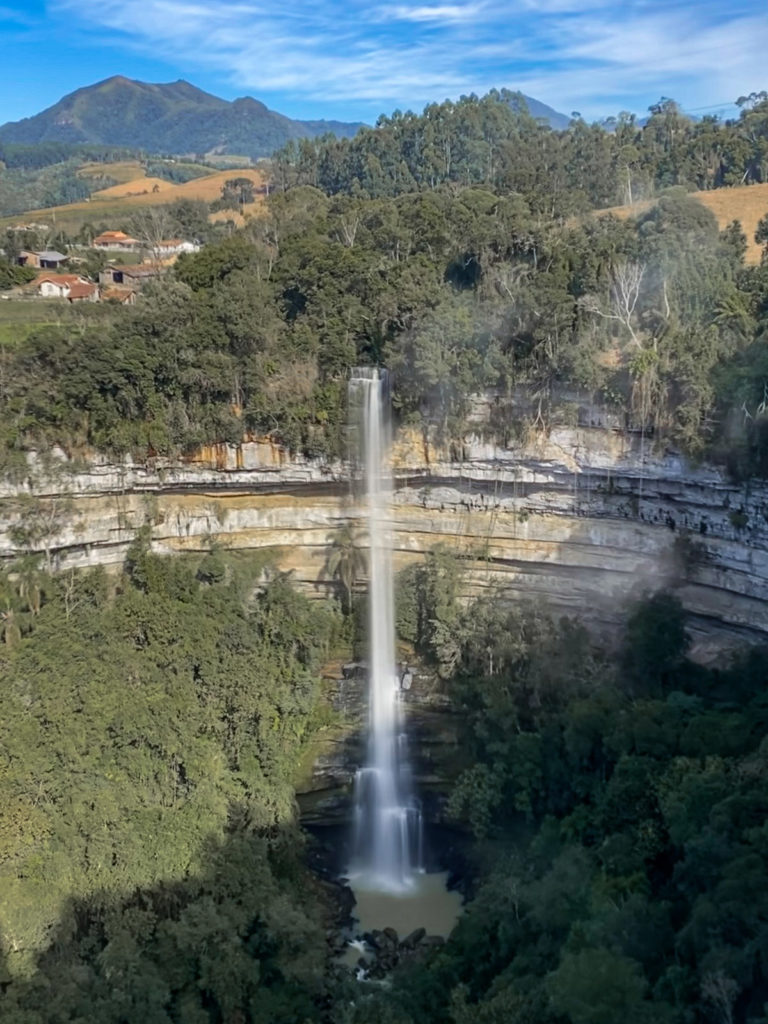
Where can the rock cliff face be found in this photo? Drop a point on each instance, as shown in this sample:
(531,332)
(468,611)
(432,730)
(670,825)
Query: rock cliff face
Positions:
(581,518)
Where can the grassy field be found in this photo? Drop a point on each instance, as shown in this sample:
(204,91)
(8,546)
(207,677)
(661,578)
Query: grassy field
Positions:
(111,205)
(228,160)
(21,317)
(135,187)
(746,204)
(125,170)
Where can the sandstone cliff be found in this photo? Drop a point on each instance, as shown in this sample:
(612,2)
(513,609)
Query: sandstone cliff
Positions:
(581,517)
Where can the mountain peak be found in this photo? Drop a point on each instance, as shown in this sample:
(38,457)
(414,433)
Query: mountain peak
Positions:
(172,117)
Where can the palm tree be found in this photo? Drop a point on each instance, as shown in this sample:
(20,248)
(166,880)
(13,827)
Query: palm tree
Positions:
(9,626)
(346,561)
(29,582)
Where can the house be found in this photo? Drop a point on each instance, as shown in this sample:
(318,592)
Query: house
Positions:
(133,277)
(26,258)
(124,296)
(47,259)
(116,241)
(57,286)
(83,292)
(172,247)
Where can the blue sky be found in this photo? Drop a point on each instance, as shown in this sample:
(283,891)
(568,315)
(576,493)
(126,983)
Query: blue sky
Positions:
(353,60)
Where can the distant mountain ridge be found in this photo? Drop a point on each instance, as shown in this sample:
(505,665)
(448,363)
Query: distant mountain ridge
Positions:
(543,112)
(178,118)
(173,118)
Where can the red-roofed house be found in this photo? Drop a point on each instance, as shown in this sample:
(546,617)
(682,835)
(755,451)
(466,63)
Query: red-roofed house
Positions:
(83,292)
(56,286)
(116,240)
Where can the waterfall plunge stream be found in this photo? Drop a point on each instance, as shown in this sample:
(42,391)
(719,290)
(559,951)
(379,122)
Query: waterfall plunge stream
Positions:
(388,851)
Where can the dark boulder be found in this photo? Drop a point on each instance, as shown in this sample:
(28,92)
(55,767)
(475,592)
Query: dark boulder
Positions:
(412,941)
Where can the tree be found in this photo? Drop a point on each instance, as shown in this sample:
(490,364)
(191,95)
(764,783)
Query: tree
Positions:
(655,642)
(345,561)
(626,282)
(11,631)
(13,277)
(237,192)
(30,582)
(151,226)
(595,986)
(761,235)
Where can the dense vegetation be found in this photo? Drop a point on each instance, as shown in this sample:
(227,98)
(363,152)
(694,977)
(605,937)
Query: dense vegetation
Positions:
(46,174)
(151,869)
(52,185)
(456,287)
(619,801)
(490,142)
(151,727)
(34,156)
(12,275)
(60,183)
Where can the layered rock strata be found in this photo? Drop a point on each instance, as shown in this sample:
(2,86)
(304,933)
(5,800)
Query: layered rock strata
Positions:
(580,517)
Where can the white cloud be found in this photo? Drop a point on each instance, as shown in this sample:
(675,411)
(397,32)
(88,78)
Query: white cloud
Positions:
(443,14)
(574,54)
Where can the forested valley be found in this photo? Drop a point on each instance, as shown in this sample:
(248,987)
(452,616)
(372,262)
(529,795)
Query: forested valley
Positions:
(152,866)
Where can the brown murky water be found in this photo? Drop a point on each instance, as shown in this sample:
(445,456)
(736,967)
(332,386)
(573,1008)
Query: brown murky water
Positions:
(427,905)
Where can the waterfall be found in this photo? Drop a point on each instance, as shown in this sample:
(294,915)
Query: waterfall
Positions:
(388,826)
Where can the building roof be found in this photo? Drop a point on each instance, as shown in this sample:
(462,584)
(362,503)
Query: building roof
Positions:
(137,270)
(114,236)
(81,290)
(59,279)
(170,242)
(118,294)
(51,255)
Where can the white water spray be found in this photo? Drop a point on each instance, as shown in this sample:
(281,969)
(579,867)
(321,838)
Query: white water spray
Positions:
(388,825)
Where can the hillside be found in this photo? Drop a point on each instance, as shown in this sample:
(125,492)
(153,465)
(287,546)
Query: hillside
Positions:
(746,204)
(165,118)
(115,202)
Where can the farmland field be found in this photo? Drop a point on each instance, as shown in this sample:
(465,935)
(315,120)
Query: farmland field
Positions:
(122,171)
(21,317)
(111,205)
(746,204)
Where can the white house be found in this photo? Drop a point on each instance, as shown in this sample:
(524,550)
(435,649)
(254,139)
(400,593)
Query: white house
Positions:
(59,286)
(172,247)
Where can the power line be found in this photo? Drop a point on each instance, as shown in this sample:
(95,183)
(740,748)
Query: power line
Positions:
(713,106)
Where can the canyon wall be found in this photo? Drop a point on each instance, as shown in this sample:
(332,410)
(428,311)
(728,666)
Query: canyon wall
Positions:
(581,517)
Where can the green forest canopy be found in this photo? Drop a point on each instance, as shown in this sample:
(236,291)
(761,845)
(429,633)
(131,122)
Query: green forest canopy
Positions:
(150,862)
(476,281)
